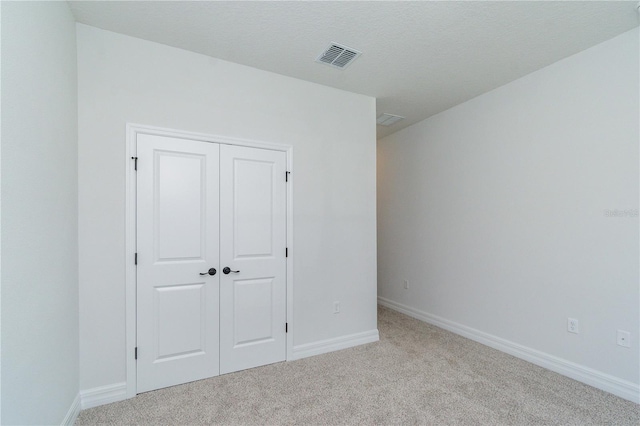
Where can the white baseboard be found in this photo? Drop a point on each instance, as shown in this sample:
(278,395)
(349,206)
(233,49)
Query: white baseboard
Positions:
(622,388)
(330,345)
(73,412)
(103,395)
(117,392)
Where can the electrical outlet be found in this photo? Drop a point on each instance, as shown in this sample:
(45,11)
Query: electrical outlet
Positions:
(406,284)
(336,307)
(624,338)
(573,326)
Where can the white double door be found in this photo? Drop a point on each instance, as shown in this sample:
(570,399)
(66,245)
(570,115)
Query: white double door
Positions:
(203,206)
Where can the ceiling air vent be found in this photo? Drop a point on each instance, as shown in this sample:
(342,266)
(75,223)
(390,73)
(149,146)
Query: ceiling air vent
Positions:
(338,56)
(388,119)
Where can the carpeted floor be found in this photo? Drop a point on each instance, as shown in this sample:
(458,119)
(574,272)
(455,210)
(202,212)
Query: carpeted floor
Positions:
(415,374)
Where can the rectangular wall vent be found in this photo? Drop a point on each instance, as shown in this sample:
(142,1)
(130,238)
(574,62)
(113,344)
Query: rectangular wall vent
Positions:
(338,55)
(388,119)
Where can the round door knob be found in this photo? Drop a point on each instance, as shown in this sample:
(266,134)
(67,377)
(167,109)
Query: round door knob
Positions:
(211,271)
(226,270)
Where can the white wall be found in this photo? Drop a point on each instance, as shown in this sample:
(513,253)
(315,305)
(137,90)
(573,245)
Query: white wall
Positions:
(123,79)
(39,213)
(495,212)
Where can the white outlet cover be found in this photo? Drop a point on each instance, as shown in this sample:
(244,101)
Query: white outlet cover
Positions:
(624,338)
(573,325)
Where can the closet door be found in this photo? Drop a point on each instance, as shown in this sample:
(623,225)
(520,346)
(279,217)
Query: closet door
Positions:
(252,247)
(177,246)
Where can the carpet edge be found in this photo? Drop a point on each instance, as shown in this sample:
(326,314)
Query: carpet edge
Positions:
(608,383)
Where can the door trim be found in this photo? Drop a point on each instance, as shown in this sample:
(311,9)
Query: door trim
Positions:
(132,131)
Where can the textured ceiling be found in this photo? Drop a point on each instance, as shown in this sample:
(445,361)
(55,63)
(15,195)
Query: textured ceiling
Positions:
(419,58)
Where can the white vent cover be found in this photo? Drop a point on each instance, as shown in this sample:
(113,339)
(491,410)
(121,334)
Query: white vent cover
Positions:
(338,55)
(388,119)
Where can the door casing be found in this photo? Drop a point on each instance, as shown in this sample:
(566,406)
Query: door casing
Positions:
(132,131)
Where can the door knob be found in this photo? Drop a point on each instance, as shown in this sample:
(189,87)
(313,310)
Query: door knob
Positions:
(211,271)
(226,270)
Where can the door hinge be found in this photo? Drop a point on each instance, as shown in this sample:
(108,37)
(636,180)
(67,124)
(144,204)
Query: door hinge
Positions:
(136,352)
(135,258)
(286,176)
(286,327)
(135,162)
(286,252)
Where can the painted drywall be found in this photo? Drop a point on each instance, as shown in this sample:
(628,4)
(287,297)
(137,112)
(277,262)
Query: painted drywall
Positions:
(500,212)
(40,365)
(126,80)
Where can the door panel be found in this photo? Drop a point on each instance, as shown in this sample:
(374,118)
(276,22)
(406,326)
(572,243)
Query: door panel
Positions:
(181,321)
(253,208)
(178,238)
(252,313)
(252,242)
(179,205)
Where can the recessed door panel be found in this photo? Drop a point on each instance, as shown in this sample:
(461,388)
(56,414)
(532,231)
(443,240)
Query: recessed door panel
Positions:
(252,311)
(177,226)
(180,313)
(180,203)
(254,208)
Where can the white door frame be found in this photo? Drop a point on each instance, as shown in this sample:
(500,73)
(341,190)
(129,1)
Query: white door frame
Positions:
(130,231)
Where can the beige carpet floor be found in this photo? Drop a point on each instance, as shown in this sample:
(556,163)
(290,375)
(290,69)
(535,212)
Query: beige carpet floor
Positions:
(415,374)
